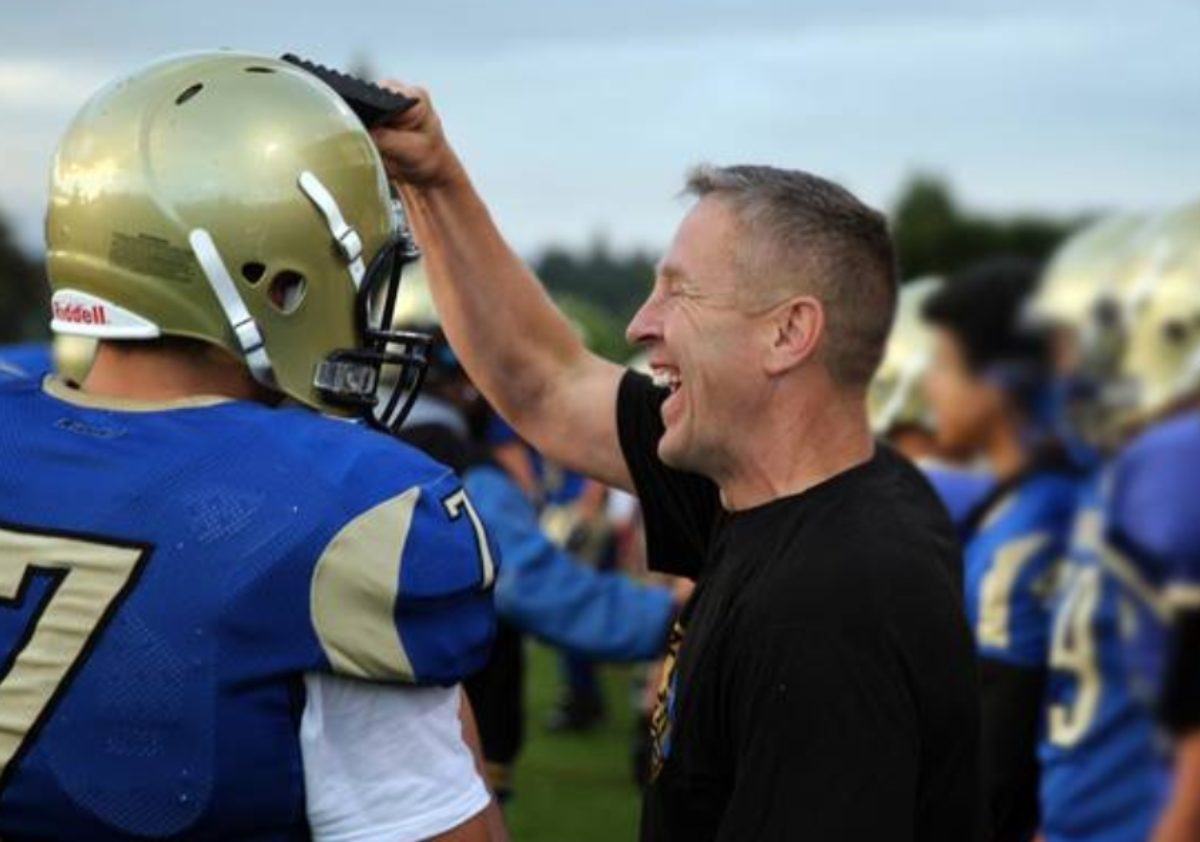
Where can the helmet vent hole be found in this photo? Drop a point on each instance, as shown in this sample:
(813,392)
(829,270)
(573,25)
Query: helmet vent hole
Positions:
(1176,332)
(189,93)
(260,70)
(287,291)
(253,272)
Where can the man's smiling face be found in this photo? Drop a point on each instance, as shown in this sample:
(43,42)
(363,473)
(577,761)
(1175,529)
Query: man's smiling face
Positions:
(701,345)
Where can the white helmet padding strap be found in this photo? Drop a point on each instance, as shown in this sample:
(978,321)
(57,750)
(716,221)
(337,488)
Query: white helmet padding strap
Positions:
(248,335)
(348,241)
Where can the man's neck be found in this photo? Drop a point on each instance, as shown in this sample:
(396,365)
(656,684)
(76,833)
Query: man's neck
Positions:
(796,447)
(156,374)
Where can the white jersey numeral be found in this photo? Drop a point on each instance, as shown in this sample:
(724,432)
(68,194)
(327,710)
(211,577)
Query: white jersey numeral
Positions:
(1073,651)
(456,504)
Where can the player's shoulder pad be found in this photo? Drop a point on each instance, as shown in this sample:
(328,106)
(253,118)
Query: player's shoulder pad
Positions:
(1152,503)
(402,589)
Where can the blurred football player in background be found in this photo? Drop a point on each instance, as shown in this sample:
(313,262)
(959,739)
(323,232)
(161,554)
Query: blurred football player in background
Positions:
(898,410)
(1102,779)
(211,596)
(1152,509)
(900,413)
(987,387)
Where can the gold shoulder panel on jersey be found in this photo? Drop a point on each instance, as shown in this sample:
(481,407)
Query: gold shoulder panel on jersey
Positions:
(354,589)
(995,597)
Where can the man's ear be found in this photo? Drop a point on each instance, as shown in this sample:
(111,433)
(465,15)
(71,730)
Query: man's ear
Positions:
(796,327)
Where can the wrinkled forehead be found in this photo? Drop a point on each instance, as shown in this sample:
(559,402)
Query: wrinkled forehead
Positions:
(705,246)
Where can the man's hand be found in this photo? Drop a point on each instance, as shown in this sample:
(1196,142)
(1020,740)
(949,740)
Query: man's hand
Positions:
(413,146)
(515,345)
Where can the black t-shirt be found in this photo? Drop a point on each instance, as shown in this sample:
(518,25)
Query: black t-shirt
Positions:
(822,685)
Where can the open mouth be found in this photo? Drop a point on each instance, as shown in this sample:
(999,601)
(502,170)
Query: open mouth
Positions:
(666,377)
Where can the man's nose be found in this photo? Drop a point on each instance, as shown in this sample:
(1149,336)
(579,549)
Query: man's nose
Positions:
(646,325)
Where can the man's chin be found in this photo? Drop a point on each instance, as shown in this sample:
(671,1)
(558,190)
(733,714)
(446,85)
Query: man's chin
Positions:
(673,454)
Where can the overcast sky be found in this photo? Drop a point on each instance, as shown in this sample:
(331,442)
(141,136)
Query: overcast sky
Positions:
(580,117)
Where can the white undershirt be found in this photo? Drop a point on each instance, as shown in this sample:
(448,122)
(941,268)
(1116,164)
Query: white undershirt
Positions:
(383,762)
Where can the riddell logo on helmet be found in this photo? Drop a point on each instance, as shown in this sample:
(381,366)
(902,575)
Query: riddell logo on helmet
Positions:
(80,314)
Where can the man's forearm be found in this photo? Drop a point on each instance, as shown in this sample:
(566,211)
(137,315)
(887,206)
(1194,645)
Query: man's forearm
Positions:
(513,342)
(502,324)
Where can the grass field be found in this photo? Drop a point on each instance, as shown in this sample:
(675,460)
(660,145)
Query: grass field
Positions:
(574,787)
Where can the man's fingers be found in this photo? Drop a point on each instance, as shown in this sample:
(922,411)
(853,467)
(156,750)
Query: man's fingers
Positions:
(412,117)
(410,91)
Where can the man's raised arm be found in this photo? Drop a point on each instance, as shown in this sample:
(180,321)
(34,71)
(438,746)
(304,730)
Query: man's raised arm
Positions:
(515,344)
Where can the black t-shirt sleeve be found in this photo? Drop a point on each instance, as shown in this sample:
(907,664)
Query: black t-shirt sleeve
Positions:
(1011,705)
(679,508)
(1180,702)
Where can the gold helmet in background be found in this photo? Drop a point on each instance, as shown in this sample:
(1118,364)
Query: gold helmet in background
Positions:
(1078,304)
(237,200)
(894,398)
(1160,366)
(1079,287)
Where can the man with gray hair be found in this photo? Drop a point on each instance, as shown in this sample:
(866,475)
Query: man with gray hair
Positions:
(821,684)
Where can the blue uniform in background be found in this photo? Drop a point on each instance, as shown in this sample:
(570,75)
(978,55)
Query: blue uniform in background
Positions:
(1154,524)
(1102,776)
(1014,541)
(961,491)
(1012,559)
(546,592)
(167,578)
(32,359)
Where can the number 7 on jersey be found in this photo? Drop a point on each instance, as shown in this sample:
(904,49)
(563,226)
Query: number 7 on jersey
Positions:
(89,577)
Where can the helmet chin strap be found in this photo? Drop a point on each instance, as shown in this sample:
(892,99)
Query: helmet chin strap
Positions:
(244,327)
(348,241)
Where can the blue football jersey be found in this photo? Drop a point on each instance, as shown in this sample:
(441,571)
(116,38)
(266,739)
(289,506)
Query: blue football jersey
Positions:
(1012,561)
(167,577)
(1102,777)
(1154,522)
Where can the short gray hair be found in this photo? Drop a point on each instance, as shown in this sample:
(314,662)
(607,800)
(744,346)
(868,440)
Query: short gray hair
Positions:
(804,234)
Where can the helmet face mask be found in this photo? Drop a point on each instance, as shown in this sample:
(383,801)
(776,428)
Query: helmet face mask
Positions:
(382,378)
(236,199)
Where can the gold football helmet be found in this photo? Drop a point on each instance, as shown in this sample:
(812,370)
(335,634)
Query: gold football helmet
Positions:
(1079,288)
(894,397)
(1078,302)
(1161,311)
(235,199)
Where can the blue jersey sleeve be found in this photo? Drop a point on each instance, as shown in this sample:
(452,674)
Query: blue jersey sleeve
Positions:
(1153,511)
(403,591)
(543,590)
